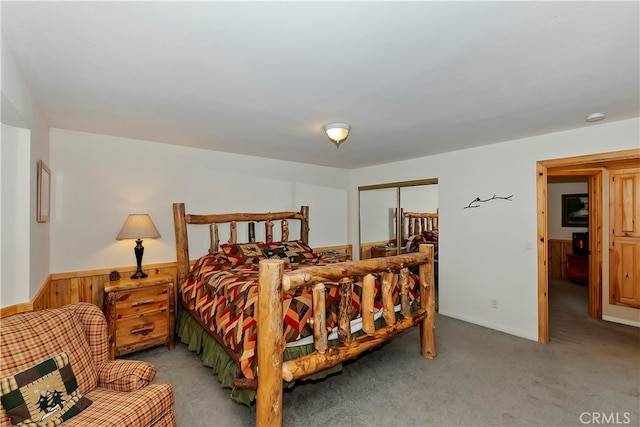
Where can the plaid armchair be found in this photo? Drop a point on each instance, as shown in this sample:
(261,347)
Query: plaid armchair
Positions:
(111,392)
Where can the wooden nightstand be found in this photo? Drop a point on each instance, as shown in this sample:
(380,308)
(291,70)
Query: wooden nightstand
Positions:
(382,251)
(578,269)
(140,313)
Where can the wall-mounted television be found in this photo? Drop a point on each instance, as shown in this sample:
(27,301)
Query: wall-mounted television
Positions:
(580,243)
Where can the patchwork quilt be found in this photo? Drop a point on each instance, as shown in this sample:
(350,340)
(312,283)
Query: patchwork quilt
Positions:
(224,297)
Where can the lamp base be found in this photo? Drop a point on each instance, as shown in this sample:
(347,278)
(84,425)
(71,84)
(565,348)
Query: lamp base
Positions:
(139,275)
(139,250)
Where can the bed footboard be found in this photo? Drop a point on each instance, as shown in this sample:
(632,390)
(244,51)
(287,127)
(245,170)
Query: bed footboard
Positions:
(274,283)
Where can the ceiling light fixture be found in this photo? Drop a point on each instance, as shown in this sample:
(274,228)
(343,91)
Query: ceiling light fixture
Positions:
(337,132)
(595,117)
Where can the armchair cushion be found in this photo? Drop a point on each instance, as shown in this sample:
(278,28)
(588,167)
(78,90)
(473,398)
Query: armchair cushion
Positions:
(30,338)
(95,329)
(125,375)
(144,407)
(120,390)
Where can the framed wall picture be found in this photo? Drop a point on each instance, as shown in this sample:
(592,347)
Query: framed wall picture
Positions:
(44,192)
(575,210)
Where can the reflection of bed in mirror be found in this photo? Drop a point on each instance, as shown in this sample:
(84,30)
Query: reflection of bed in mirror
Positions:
(384,231)
(419,228)
(380,206)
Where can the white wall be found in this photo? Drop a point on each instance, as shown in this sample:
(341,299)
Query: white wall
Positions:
(14,221)
(377,209)
(99,180)
(483,252)
(376,215)
(20,109)
(554,208)
(420,198)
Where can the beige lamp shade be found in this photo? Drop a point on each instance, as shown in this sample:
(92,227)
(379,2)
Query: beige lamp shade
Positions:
(138,226)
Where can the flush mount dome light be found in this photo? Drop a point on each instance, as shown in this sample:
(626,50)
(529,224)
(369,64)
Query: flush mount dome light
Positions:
(337,132)
(595,117)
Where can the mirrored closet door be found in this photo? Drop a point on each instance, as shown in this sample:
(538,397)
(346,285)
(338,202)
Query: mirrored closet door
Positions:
(392,214)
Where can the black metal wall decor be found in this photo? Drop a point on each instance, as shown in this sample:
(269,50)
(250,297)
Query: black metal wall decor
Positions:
(478,200)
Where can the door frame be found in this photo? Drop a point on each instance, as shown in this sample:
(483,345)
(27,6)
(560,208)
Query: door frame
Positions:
(589,165)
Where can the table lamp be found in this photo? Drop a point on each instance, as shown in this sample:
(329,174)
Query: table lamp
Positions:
(138,226)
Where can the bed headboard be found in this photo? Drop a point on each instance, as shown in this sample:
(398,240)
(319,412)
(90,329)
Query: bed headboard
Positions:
(181,219)
(419,222)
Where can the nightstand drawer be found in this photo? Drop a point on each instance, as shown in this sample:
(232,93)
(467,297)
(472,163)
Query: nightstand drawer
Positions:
(144,328)
(141,301)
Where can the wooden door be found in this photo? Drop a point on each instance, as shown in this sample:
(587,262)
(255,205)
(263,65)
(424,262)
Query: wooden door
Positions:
(624,245)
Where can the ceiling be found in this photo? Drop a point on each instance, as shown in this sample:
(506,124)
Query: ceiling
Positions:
(261,78)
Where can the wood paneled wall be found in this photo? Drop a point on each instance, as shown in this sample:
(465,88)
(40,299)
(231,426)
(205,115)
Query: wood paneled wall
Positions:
(88,286)
(79,286)
(558,249)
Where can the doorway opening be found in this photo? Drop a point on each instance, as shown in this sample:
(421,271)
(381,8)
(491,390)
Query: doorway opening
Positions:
(590,166)
(569,207)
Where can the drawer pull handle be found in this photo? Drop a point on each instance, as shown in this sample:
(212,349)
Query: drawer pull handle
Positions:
(137,303)
(142,330)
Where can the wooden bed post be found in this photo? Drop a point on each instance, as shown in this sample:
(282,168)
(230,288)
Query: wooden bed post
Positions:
(182,242)
(427,302)
(304,224)
(269,345)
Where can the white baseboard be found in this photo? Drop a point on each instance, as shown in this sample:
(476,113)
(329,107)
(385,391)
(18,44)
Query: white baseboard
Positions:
(622,321)
(489,325)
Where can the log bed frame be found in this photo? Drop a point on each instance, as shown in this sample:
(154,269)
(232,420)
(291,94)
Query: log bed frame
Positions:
(419,222)
(274,283)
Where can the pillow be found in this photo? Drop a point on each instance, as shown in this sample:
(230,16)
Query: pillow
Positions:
(32,337)
(45,394)
(414,242)
(243,253)
(431,236)
(293,251)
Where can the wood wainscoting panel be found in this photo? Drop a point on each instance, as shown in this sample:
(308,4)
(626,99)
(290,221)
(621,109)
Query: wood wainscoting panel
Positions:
(558,251)
(80,286)
(88,286)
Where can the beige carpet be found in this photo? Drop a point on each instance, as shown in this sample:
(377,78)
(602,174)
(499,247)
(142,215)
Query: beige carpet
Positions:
(481,378)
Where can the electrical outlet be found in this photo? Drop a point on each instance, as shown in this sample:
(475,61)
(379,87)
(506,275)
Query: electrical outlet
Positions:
(494,303)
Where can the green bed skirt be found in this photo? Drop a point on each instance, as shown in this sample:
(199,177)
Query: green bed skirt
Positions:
(215,357)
